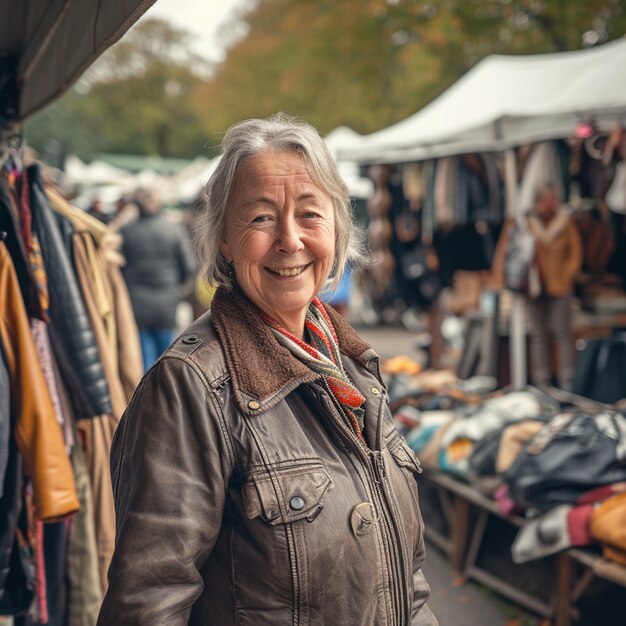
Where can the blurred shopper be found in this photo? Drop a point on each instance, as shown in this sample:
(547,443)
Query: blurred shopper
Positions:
(95,210)
(558,260)
(159,265)
(125,212)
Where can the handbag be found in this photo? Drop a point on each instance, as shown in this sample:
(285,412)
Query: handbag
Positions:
(521,273)
(416,269)
(570,455)
(601,370)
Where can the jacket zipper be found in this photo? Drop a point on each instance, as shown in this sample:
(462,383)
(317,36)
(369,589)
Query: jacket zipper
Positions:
(376,462)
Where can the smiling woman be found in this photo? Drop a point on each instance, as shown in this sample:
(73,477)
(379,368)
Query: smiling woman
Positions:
(259,478)
(280,235)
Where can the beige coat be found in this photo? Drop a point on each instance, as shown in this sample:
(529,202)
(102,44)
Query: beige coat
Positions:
(559,254)
(110,314)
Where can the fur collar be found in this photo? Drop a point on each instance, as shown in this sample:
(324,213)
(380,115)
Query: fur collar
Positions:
(546,234)
(262,371)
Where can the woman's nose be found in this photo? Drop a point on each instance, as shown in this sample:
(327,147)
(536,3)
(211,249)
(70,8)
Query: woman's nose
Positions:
(288,237)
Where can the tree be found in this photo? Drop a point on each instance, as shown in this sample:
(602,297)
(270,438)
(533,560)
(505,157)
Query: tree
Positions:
(369,63)
(364,63)
(134,100)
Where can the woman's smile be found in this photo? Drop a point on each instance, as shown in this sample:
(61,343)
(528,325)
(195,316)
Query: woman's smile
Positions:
(289,272)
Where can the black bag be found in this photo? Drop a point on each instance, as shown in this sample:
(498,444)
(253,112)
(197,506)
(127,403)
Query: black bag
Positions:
(571,454)
(601,370)
(417,272)
(519,260)
(482,460)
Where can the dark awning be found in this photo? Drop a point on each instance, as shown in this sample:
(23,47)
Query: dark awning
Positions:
(45,45)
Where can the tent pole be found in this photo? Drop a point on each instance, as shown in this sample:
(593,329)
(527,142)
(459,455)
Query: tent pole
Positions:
(517,331)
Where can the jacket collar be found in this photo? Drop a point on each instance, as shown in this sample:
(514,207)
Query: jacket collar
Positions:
(262,371)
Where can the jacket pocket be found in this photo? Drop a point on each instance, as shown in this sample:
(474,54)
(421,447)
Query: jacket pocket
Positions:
(403,455)
(286,492)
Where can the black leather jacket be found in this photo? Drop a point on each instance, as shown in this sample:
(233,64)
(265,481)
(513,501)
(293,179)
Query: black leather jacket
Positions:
(69,320)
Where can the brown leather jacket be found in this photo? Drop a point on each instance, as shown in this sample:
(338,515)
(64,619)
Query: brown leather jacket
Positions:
(237,486)
(37,432)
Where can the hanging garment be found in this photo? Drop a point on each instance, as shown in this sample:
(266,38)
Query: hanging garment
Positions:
(17,584)
(494,190)
(542,168)
(10,225)
(413,183)
(5,417)
(44,352)
(84,591)
(616,195)
(110,314)
(104,262)
(37,433)
(445,183)
(67,309)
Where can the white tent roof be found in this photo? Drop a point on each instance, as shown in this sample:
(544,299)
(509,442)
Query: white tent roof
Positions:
(509,100)
(342,138)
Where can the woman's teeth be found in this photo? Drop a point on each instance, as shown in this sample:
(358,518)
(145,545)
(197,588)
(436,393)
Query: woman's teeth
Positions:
(292,271)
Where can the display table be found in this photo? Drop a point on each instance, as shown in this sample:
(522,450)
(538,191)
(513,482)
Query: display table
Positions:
(467,514)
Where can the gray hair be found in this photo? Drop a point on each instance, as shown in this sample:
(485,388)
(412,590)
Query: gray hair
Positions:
(250,137)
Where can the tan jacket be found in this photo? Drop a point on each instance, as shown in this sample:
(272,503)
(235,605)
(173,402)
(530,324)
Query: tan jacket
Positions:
(237,485)
(110,315)
(559,254)
(37,433)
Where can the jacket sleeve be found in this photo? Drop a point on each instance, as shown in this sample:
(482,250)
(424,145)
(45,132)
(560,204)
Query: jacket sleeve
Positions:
(421,614)
(67,309)
(170,471)
(575,257)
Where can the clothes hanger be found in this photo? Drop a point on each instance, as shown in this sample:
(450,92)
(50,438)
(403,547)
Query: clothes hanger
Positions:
(12,145)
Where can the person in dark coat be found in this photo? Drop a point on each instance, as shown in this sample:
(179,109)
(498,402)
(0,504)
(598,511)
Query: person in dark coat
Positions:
(159,265)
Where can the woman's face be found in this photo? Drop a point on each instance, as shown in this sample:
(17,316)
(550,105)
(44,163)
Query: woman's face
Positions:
(280,235)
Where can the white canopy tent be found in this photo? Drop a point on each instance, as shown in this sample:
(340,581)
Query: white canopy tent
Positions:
(506,101)
(502,102)
(342,138)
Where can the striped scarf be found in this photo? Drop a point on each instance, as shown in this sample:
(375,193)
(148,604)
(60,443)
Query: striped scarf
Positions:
(321,354)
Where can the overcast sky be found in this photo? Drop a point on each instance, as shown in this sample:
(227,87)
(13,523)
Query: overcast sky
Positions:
(204,18)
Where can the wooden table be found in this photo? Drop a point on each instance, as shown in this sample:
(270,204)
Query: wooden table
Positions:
(467,512)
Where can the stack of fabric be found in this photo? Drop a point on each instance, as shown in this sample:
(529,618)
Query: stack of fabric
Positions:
(559,462)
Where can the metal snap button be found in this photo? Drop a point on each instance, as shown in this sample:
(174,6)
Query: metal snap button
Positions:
(254,405)
(363,518)
(191,339)
(375,391)
(296,503)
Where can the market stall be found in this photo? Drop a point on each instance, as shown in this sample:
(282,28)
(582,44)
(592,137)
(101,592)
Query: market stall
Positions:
(501,103)
(527,120)
(69,346)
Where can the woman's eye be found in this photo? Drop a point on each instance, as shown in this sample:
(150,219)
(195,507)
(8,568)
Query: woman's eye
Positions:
(310,214)
(260,219)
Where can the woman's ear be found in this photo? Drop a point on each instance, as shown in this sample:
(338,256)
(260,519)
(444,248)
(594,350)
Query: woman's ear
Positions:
(225,249)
